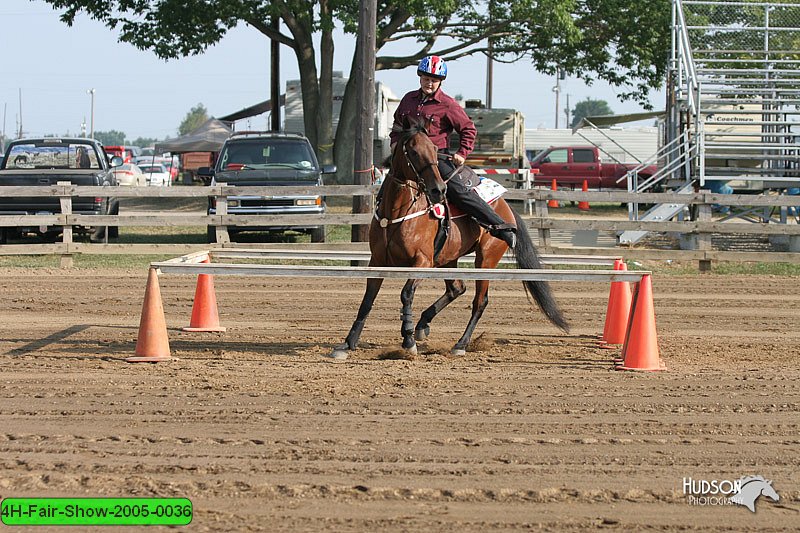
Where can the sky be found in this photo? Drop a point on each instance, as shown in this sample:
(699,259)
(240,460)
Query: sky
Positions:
(54,66)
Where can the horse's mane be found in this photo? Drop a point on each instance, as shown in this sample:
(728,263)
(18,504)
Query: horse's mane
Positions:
(413,127)
(748,479)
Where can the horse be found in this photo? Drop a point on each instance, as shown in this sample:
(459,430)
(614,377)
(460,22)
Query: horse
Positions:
(402,234)
(751,488)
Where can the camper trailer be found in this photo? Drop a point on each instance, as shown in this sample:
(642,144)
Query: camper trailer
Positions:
(385,105)
(500,143)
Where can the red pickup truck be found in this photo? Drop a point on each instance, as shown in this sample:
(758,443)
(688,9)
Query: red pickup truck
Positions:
(570,165)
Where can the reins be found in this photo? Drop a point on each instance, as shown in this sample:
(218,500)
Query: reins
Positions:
(418,186)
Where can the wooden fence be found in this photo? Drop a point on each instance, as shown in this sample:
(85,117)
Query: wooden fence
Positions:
(542,222)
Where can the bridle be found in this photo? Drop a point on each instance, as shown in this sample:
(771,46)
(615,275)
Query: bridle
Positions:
(417,186)
(420,182)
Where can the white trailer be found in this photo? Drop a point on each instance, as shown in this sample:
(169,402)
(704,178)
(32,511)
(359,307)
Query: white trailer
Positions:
(385,105)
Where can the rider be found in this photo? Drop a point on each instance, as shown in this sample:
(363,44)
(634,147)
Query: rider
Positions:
(448,116)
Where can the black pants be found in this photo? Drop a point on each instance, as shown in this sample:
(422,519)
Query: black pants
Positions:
(462,196)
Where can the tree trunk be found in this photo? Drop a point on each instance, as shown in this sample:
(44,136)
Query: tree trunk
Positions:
(324,115)
(344,145)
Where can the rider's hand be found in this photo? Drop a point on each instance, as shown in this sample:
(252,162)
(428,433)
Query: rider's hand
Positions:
(458,159)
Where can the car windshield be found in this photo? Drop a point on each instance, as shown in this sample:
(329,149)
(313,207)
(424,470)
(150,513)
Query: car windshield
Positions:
(52,154)
(267,154)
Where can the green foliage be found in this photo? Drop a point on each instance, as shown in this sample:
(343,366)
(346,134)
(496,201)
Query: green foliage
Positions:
(193,119)
(622,42)
(589,108)
(110,138)
(144,142)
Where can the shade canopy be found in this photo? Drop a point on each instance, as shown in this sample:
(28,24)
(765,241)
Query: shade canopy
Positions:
(208,137)
(603,121)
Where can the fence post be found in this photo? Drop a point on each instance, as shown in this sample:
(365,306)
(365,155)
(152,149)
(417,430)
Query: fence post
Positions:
(65,198)
(527,184)
(544,233)
(221,232)
(704,237)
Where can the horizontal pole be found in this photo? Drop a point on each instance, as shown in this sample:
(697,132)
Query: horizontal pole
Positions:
(313,271)
(539,193)
(353,255)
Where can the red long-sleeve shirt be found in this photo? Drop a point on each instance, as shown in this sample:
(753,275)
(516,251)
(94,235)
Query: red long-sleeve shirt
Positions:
(448,116)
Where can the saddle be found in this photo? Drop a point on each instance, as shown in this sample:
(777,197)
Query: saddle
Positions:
(488,189)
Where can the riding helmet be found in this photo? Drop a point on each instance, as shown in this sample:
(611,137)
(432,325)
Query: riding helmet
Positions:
(433,66)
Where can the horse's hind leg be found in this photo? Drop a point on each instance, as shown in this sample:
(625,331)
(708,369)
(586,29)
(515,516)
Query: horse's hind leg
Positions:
(453,289)
(479,304)
(406,329)
(373,287)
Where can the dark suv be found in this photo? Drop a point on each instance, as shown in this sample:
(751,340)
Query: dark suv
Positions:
(269,159)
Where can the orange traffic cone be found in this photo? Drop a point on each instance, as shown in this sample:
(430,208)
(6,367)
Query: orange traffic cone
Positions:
(584,205)
(617,311)
(640,351)
(204,310)
(553,203)
(152,346)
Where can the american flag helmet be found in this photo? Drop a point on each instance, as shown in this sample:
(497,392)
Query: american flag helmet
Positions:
(433,66)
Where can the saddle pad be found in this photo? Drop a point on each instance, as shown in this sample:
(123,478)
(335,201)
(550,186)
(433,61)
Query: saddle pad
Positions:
(488,189)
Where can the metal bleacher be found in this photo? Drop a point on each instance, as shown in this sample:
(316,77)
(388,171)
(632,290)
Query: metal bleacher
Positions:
(733,93)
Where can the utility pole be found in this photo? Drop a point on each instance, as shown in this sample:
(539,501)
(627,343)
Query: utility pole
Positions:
(489,76)
(566,111)
(489,62)
(560,75)
(3,138)
(91,120)
(365,103)
(557,90)
(275,78)
(20,115)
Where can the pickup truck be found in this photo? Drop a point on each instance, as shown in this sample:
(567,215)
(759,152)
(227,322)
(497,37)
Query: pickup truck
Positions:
(45,162)
(570,165)
(269,159)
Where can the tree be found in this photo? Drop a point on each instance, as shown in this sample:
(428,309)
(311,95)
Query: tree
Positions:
(110,138)
(589,108)
(622,42)
(144,142)
(193,119)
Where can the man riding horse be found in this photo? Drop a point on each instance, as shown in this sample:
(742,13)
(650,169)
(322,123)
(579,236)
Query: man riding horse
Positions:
(430,101)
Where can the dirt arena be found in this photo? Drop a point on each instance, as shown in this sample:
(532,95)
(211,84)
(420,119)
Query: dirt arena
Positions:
(530,431)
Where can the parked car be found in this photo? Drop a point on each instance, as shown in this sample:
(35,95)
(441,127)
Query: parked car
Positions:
(170,163)
(156,174)
(127,153)
(130,175)
(269,159)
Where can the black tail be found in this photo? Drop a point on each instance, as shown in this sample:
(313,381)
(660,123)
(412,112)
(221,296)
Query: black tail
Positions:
(527,257)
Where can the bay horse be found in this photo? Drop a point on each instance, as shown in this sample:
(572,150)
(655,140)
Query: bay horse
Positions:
(402,234)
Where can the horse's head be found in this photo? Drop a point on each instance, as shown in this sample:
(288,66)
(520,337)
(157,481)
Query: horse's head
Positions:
(415,159)
(768,491)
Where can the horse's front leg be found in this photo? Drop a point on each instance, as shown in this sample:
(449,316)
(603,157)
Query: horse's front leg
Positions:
(479,304)
(407,327)
(340,351)
(453,289)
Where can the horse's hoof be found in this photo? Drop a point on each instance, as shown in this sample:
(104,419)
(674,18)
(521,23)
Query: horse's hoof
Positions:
(422,334)
(412,350)
(339,353)
(458,352)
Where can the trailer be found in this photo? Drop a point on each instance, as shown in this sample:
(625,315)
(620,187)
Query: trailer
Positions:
(385,105)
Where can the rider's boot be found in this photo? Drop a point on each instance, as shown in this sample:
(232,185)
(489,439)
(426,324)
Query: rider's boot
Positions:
(506,234)
(475,206)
